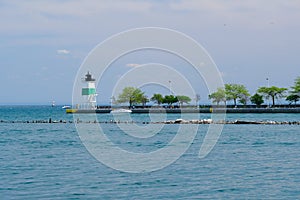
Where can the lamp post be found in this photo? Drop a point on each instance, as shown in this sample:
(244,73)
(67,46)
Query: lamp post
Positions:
(112,101)
(268,85)
(170,87)
(197,98)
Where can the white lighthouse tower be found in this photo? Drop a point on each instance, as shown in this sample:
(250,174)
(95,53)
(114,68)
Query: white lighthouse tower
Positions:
(89,92)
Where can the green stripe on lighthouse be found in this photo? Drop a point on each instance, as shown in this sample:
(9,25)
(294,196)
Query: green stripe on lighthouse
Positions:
(88,91)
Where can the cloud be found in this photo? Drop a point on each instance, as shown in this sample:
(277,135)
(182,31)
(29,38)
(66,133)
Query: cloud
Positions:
(132,65)
(196,5)
(65,22)
(76,8)
(63,51)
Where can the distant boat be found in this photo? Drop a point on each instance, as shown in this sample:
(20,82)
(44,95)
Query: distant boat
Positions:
(66,107)
(121,110)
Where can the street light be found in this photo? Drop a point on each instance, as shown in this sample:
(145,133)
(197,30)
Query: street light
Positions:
(268,84)
(170,84)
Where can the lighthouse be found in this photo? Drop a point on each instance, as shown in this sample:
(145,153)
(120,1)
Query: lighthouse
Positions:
(89,92)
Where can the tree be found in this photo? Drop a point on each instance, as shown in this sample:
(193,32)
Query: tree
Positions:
(235,92)
(293,98)
(131,95)
(218,96)
(144,100)
(244,99)
(296,87)
(295,92)
(273,92)
(257,99)
(170,99)
(183,99)
(157,98)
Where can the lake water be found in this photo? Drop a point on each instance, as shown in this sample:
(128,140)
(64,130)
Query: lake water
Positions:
(49,161)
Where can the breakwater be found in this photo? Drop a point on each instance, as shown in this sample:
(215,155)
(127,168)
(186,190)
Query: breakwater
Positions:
(192,110)
(177,121)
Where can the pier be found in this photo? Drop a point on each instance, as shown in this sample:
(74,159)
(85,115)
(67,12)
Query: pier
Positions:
(189,110)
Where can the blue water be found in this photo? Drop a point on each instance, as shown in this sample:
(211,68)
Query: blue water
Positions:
(49,161)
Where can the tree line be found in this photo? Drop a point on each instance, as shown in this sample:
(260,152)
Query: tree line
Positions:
(135,96)
(230,92)
(237,92)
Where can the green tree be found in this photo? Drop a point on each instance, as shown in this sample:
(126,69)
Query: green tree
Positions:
(244,99)
(131,95)
(273,92)
(295,92)
(144,100)
(183,99)
(257,99)
(296,87)
(170,99)
(157,98)
(235,92)
(293,98)
(218,96)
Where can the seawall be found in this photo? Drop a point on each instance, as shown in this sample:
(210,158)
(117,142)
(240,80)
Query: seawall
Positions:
(193,110)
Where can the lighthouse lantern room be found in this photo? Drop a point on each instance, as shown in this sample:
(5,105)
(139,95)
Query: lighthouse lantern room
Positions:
(89,92)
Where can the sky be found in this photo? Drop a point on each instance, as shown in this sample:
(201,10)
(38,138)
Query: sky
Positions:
(43,43)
